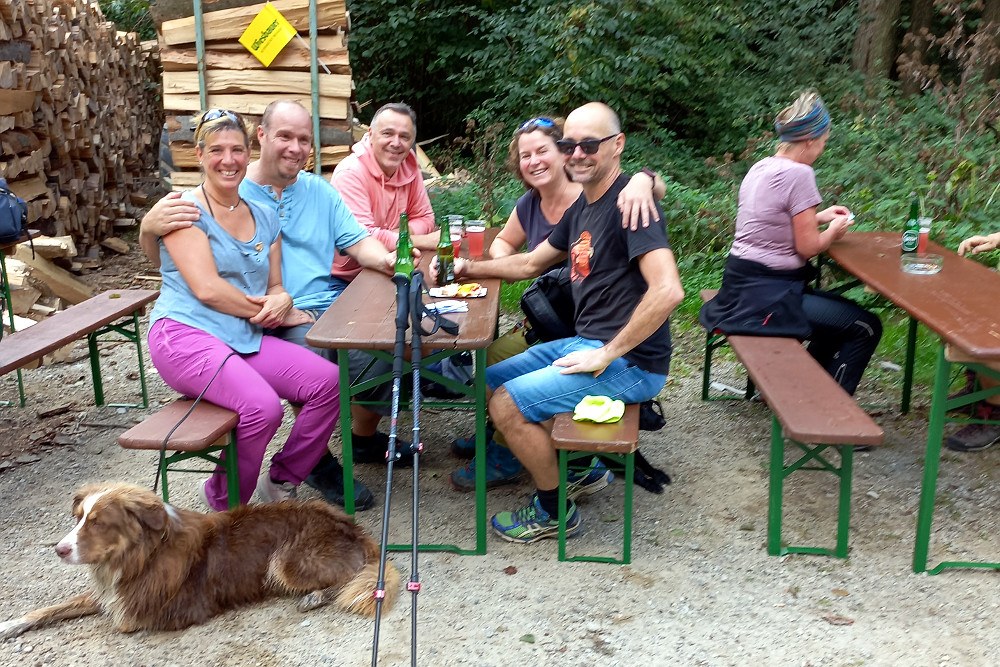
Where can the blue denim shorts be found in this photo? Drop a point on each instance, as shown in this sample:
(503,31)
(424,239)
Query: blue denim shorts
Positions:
(540,391)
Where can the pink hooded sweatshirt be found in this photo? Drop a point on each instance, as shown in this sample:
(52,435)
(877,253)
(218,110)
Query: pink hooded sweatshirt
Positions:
(377,201)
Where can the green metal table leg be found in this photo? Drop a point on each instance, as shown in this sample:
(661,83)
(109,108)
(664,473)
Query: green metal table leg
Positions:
(911,344)
(932,461)
(776,488)
(347,451)
(138,351)
(480,381)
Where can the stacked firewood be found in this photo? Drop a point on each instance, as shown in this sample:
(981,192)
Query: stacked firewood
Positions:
(79,117)
(236,80)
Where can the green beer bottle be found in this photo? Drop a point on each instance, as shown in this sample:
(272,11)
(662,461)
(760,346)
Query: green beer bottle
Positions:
(404,247)
(911,232)
(446,257)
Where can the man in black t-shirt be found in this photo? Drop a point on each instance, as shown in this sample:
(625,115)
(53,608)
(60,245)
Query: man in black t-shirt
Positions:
(625,285)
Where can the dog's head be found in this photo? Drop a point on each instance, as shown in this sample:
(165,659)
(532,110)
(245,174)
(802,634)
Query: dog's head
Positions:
(112,521)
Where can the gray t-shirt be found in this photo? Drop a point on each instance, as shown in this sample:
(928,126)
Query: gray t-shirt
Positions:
(772,193)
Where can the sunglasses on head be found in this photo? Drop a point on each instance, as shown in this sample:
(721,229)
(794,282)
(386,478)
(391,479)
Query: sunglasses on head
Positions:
(588,146)
(537,122)
(214,114)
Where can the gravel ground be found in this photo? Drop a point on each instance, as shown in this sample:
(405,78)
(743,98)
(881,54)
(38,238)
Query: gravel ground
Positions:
(701,589)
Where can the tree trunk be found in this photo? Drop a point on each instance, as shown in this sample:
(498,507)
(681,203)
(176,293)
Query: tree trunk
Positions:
(915,46)
(874,43)
(987,41)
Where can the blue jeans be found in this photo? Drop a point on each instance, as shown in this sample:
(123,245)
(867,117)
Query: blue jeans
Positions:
(540,391)
(844,336)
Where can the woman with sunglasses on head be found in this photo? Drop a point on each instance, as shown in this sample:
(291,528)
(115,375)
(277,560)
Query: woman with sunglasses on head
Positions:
(764,287)
(538,161)
(221,288)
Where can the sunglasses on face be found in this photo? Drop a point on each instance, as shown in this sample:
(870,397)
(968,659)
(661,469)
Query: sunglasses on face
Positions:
(214,114)
(588,146)
(537,122)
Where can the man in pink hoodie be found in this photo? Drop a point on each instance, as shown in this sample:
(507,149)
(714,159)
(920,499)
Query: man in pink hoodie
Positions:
(378,181)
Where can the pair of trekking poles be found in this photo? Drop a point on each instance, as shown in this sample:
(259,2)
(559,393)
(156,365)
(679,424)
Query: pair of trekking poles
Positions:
(410,311)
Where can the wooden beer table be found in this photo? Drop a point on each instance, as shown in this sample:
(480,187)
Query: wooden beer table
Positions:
(959,304)
(363,318)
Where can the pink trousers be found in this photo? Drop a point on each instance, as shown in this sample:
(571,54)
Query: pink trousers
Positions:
(253,385)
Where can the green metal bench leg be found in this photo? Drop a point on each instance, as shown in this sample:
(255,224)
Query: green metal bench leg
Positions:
(811,459)
(95,370)
(131,334)
(844,506)
(776,488)
(628,462)
(706,374)
(223,456)
(10,314)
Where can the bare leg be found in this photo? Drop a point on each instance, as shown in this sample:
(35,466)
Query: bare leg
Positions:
(531,443)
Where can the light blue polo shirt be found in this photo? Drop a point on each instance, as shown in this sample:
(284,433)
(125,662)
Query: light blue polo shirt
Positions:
(240,264)
(315,222)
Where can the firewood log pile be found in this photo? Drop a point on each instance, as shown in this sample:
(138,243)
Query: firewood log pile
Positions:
(236,80)
(80,117)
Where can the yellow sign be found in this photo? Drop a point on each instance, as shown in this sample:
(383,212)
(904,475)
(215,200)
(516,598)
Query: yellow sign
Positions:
(267,34)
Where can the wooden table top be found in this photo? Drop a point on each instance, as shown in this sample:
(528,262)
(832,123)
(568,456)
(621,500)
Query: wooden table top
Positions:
(960,303)
(364,318)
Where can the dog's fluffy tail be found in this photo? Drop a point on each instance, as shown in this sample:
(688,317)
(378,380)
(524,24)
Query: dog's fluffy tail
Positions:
(358,594)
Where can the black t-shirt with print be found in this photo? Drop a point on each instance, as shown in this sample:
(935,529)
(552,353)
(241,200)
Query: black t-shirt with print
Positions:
(607,284)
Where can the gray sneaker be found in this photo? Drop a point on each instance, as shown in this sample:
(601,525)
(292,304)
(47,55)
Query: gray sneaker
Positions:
(270,491)
(589,481)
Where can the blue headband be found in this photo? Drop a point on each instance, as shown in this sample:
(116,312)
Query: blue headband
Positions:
(810,126)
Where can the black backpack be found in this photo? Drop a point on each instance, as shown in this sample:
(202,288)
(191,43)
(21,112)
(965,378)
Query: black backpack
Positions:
(13,215)
(548,305)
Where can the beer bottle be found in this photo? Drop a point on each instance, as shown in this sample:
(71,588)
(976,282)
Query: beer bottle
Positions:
(911,232)
(404,247)
(446,257)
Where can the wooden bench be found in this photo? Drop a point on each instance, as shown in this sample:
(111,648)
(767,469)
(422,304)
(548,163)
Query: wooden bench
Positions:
(619,442)
(813,412)
(92,318)
(208,433)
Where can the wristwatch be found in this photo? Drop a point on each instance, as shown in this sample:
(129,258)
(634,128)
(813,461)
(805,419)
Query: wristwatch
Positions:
(650,173)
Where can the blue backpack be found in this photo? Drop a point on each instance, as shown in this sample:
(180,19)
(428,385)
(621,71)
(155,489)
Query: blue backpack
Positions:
(13,215)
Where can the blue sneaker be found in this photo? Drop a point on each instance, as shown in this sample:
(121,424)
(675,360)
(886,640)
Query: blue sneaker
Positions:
(465,448)
(533,523)
(589,481)
(501,468)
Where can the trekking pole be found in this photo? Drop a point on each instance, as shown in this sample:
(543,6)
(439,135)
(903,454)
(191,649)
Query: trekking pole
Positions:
(416,315)
(417,311)
(402,321)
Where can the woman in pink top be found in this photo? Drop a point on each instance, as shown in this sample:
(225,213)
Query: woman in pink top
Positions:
(764,287)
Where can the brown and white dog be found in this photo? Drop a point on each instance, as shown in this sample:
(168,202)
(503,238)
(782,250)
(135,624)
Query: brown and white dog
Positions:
(158,567)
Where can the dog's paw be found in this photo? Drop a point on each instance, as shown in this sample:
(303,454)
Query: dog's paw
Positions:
(13,628)
(311,601)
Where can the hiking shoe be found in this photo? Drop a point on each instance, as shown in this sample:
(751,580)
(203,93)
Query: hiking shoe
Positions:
(501,468)
(373,449)
(977,437)
(533,523)
(465,448)
(328,479)
(270,491)
(589,481)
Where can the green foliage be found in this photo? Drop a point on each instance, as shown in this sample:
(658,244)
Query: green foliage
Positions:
(130,16)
